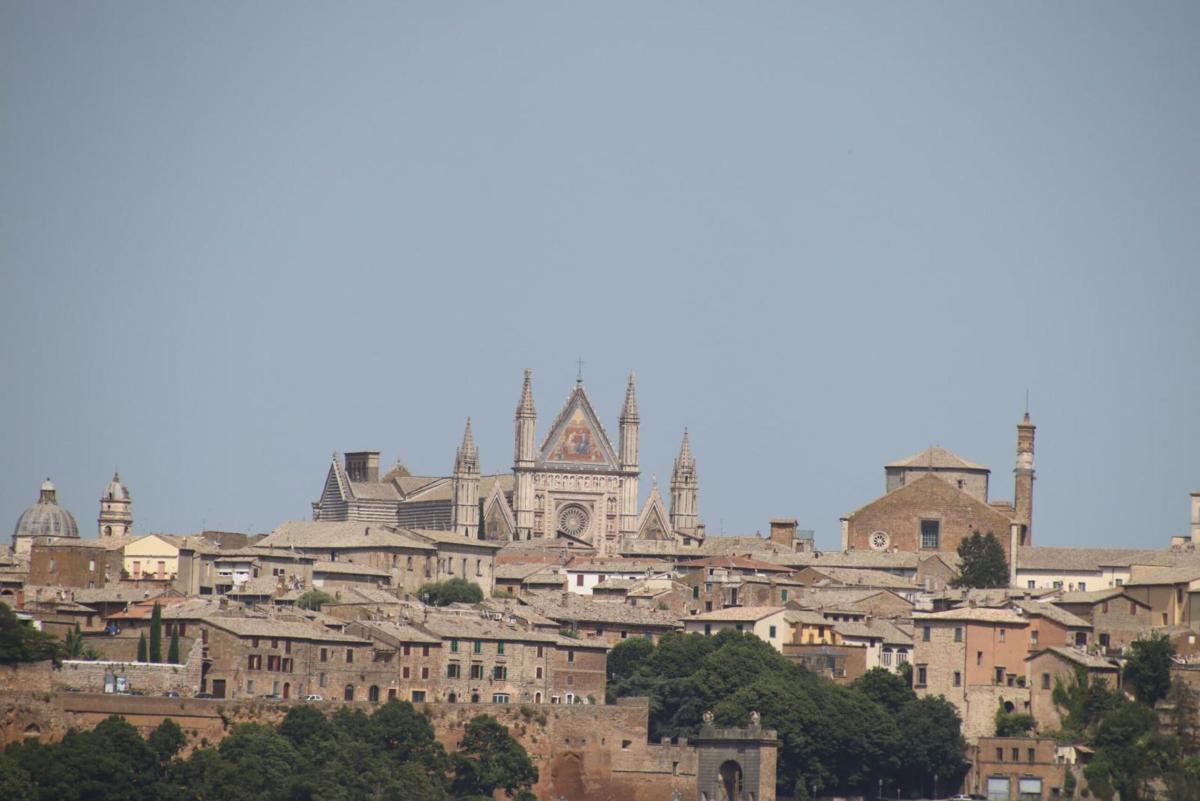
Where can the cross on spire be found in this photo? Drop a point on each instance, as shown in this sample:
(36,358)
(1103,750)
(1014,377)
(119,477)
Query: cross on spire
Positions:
(579,375)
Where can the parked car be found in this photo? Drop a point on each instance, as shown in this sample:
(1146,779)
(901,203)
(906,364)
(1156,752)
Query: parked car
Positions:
(271,697)
(313,697)
(171,694)
(204,695)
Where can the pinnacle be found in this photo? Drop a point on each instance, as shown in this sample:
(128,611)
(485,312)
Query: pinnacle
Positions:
(525,407)
(630,410)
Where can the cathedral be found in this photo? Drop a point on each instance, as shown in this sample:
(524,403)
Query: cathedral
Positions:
(576,486)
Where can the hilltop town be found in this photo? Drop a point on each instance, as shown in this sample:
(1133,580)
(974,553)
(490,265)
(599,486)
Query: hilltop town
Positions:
(526,593)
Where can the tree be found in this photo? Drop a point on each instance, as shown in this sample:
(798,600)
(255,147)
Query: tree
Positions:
(314,599)
(981,563)
(166,741)
(141,652)
(1147,671)
(173,648)
(156,633)
(885,688)
(21,642)
(455,590)
(1013,724)
(490,759)
(932,743)
(77,647)
(627,656)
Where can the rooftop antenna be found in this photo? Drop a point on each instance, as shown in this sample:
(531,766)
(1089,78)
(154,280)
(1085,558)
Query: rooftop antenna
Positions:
(579,375)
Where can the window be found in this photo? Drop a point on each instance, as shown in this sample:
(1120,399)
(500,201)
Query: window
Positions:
(696,593)
(579,580)
(500,698)
(1120,582)
(771,632)
(479,567)
(902,656)
(540,651)
(707,629)
(349,656)
(1104,640)
(999,675)
(885,658)
(418,696)
(538,672)
(1029,754)
(500,648)
(478,648)
(925,633)
(406,649)
(250,686)
(1132,608)
(454,646)
(1016,754)
(1104,607)
(1081,639)
(453,670)
(424,672)
(958,678)
(930,534)
(321,680)
(1002,634)
(406,672)
(409,564)
(275,644)
(958,633)
(1033,637)
(287,646)
(348,695)
(922,675)
(1057,585)
(783,595)
(1031,584)
(373,694)
(500,672)
(624,635)
(477,671)
(737,626)
(978,658)
(1082,588)
(1045,681)
(570,656)
(999,754)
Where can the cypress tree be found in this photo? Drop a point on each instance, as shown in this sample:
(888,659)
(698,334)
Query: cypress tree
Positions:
(173,648)
(142,647)
(156,634)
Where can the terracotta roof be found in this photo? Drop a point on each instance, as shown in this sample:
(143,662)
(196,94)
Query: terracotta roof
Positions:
(349,534)
(975,614)
(578,609)
(271,628)
(875,629)
(1055,613)
(734,562)
(868,578)
(451,538)
(348,568)
(1167,575)
(738,613)
(938,458)
(1043,558)
(1082,658)
(1094,596)
(399,632)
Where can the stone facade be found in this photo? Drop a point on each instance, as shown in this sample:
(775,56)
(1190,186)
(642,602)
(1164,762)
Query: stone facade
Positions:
(1013,768)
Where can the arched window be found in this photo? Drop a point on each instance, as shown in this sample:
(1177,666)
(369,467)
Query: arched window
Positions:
(537,698)
(453,698)
(474,698)
(349,696)
(373,694)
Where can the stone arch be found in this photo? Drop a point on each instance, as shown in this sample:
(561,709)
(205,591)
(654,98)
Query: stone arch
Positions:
(33,730)
(730,781)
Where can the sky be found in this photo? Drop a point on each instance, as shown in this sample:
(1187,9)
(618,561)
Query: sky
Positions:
(238,237)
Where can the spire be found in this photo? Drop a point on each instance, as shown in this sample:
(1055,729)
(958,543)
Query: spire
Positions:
(466,460)
(685,451)
(525,407)
(629,412)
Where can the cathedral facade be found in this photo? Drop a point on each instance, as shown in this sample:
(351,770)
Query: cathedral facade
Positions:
(574,486)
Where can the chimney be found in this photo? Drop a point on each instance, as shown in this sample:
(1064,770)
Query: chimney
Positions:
(783,531)
(363,466)
(1196,516)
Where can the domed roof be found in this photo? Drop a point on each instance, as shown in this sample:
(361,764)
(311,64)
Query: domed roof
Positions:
(46,518)
(116,491)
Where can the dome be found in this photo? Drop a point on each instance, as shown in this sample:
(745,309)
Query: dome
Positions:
(116,491)
(46,518)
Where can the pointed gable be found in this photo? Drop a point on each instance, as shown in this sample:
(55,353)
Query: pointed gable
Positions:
(498,520)
(653,523)
(337,484)
(577,440)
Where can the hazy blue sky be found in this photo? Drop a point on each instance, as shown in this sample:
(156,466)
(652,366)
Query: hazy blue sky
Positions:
(237,237)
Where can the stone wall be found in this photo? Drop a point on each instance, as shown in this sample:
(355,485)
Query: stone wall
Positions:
(142,677)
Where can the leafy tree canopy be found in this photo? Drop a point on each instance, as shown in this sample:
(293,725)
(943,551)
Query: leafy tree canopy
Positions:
(455,590)
(21,642)
(314,599)
(981,563)
(1148,669)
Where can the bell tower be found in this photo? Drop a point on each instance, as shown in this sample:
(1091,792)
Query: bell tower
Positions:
(685,490)
(524,460)
(1023,473)
(466,486)
(116,510)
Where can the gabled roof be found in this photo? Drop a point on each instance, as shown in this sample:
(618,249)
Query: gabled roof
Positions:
(851,576)
(1047,558)
(1081,658)
(739,614)
(732,562)
(1167,575)
(577,439)
(450,538)
(976,614)
(347,534)
(937,458)
(949,494)
(653,523)
(1096,596)
(1055,613)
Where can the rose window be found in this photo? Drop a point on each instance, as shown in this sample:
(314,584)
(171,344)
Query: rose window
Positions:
(573,520)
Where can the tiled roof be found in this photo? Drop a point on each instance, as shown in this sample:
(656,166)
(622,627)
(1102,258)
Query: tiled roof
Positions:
(936,457)
(734,562)
(584,564)
(1091,596)
(349,534)
(517,571)
(1082,658)
(1166,575)
(260,585)
(879,560)
(266,627)
(451,538)
(975,614)
(867,578)
(576,609)
(806,617)
(361,595)
(1043,558)
(738,613)
(472,626)
(1055,613)
(875,629)
(400,632)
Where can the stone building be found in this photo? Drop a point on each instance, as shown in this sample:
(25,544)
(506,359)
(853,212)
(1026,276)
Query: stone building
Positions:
(116,510)
(577,486)
(45,521)
(935,499)
(75,563)
(1050,666)
(1117,618)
